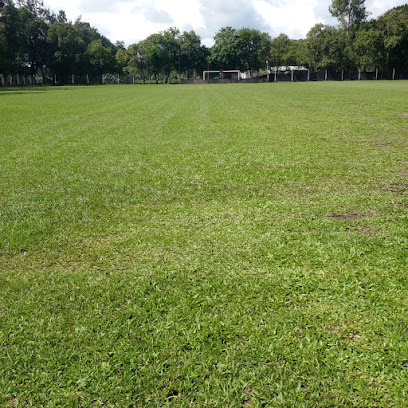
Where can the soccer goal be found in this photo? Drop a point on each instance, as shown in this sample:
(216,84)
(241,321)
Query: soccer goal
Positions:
(229,74)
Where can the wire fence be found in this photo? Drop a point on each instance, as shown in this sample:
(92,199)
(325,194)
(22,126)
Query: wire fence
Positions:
(82,79)
(305,76)
(105,79)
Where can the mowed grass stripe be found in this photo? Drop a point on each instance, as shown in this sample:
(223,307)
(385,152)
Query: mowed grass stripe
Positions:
(79,158)
(239,245)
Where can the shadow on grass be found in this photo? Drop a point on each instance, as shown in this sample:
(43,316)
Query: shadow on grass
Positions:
(32,90)
(21,91)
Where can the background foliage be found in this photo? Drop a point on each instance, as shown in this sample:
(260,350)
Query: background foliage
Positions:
(33,40)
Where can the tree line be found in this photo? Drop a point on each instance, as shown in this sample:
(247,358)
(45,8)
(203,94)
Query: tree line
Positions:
(36,41)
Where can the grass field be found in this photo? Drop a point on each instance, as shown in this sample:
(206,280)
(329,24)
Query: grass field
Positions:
(204,246)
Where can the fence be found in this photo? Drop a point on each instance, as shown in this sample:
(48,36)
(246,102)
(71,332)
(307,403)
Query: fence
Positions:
(291,76)
(83,79)
(20,80)
(305,76)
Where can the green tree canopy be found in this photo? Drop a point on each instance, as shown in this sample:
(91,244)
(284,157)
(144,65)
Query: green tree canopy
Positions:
(350,13)
(279,50)
(325,47)
(394,27)
(32,39)
(223,53)
(101,58)
(252,48)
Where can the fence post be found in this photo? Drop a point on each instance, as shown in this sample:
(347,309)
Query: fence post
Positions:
(342,74)
(118,78)
(376,74)
(133,80)
(291,76)
(308,75)
(2,80)
(393,74)
(325,75)
(276,75)
(359,75)
(268,71)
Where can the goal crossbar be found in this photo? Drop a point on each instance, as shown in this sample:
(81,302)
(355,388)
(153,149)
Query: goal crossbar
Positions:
(221,71)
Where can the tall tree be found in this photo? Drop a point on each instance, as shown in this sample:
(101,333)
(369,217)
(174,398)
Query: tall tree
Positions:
(325,47)
(101,58)
(224,53)
(296,53)
(34,47)
(394,27)
(171,52)
(136,54)
(192,53)
(369,47)
(88,34)
(154,55)
(11,38)
(3,48)
(67,47)
(350,13)
(122,59)
(252,48)
(279,50)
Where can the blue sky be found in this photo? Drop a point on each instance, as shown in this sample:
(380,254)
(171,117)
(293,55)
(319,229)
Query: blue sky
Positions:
(133,20)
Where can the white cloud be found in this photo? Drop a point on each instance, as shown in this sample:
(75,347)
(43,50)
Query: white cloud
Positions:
(158,16)
(378,7)
(134,20)
(237,14)
(294,18)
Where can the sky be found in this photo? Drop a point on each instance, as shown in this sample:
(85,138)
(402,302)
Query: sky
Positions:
(133,20)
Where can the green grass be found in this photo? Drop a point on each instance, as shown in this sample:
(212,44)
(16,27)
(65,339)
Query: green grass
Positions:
(204,246)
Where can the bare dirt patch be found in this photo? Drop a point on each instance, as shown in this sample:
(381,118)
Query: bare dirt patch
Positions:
(382,143)
(403,115)
(352,338)
(365,231)
(398,187)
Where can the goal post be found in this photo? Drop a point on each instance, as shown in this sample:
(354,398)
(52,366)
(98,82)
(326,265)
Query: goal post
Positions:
(222,72)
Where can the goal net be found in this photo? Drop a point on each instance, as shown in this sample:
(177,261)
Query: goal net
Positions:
(229,75)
